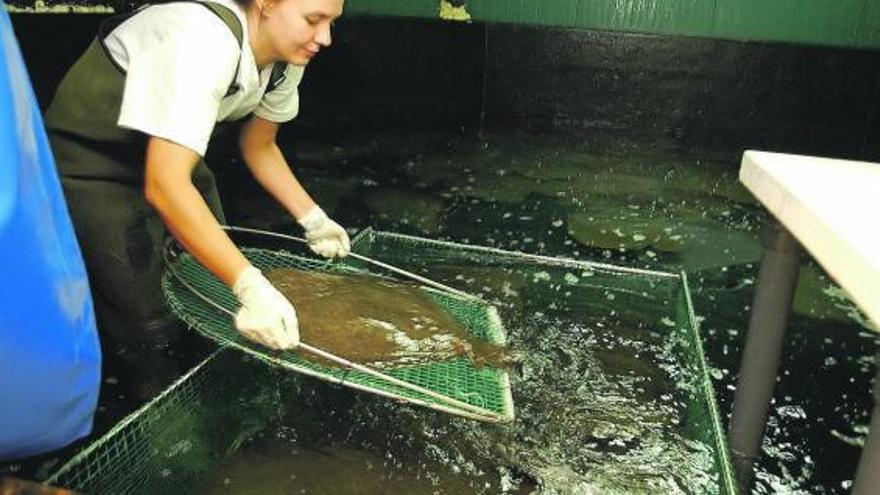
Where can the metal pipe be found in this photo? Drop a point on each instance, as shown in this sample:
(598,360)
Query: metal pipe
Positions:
(314,350)
(386,266)
(771,306)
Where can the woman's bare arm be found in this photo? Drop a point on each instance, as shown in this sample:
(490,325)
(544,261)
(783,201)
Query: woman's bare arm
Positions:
(169,189)
(269,167)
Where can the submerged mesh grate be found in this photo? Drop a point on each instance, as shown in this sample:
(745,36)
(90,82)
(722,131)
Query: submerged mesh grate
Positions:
(124,459)
(486,389)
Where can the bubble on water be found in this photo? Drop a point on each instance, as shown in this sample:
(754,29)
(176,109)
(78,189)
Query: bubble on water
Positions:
(792,411)
(541,276)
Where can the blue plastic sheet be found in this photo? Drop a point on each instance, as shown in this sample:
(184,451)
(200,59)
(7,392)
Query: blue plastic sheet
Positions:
(49,353)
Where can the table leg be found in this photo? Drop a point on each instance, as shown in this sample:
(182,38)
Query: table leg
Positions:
(868,475)
(771,306)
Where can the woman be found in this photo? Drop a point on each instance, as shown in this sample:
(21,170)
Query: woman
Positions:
(129,126)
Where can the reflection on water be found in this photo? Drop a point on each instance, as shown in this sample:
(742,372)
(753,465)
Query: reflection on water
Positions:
(273,465)
(545,194)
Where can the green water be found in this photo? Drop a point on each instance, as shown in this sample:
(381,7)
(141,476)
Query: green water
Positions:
(543,194)
(635,204)
(604,401)
(605,421)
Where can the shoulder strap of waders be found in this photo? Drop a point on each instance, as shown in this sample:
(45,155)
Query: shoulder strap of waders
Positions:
(108,25)
(279,74)
(223,12)
(279,69)
(232,21)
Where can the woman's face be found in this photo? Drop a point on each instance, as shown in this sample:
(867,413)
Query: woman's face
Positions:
(298,29)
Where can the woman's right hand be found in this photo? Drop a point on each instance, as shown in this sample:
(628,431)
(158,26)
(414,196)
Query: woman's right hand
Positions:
(265,316)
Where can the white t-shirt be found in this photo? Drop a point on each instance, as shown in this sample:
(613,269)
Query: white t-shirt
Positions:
(180,59)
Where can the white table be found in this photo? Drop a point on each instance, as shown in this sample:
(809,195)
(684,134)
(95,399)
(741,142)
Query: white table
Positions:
(831,208)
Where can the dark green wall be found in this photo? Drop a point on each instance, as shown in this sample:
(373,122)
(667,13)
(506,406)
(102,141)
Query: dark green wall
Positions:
(845,23)
(840,23)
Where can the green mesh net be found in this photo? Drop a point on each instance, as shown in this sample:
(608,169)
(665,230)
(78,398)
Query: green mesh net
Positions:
(481,393)
(125,458)
(169,445)
(183,435)
(597,283)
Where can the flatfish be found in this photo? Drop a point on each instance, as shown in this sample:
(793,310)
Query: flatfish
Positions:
(370,320)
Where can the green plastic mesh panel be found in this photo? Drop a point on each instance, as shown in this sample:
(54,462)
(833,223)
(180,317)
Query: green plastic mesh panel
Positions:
(486,389)
(704,419)
(124,459)
(187,430)
(629,286)
(181,437)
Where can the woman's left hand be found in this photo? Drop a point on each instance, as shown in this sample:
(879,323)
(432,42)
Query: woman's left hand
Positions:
(325,237)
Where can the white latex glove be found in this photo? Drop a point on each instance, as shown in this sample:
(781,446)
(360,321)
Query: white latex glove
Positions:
(326,237)
(265,316)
